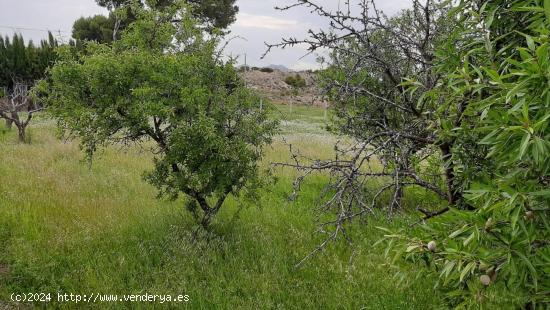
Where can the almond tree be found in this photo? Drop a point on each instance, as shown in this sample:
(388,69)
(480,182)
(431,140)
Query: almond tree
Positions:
(373,59)
(496,69)
(165,83)
(17,108)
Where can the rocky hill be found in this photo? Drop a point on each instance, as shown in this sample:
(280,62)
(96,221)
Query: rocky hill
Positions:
(272,85)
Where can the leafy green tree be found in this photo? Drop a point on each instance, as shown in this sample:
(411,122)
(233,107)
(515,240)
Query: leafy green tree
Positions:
(211,14)
(97,28)
(215,13)
(497,69)
(168,86)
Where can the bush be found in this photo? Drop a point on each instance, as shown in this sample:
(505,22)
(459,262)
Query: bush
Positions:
(296,81)
(244,68)
(266,69)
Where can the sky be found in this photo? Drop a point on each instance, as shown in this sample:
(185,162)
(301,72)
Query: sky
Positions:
(257,22)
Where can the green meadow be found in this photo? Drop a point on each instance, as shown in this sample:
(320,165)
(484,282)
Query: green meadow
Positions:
(70,227)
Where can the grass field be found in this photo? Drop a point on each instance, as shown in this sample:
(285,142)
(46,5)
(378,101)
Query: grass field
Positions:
(69,228)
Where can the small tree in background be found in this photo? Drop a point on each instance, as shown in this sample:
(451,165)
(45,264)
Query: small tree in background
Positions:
(164,82)
(20,66)
(266,70)
(17,107)
(98,28)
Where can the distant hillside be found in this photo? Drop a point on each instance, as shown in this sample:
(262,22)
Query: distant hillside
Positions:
(272,85)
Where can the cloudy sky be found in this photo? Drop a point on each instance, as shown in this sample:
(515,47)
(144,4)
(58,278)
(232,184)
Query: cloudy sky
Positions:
(257,22)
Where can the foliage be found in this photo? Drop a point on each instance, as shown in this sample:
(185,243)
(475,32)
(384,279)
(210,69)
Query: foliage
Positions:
(212,14)
(295,81)
(97,28)
(24,63)
(215,13)
(266,69)
(496,70)
(168,86)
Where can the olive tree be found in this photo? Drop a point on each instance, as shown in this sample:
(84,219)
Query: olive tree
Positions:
(164,82)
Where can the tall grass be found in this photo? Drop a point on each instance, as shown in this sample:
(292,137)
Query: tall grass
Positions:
(70,228)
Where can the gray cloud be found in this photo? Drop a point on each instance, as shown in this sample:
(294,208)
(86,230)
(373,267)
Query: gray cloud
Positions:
(33,18)
(257,22)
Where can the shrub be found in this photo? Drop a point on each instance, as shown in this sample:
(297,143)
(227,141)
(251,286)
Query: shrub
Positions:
(296,81)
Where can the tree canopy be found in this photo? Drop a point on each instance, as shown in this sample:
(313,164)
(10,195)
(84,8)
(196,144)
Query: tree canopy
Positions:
(495,72)
(211,14)
(97,28)
(168,86)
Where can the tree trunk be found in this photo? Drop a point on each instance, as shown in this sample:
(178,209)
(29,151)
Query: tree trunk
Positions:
(22,132)
(208,212)
(398,194)
(397,200)
(453,194)
(205,222)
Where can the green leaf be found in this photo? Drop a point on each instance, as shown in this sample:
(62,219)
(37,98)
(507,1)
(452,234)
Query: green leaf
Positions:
(529,266)
(543,193)
(524,145)
(470,238)
(493,74)
(469,267)
(458,231)
(530,42)
(447,269)
(515,216)
(542,53)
